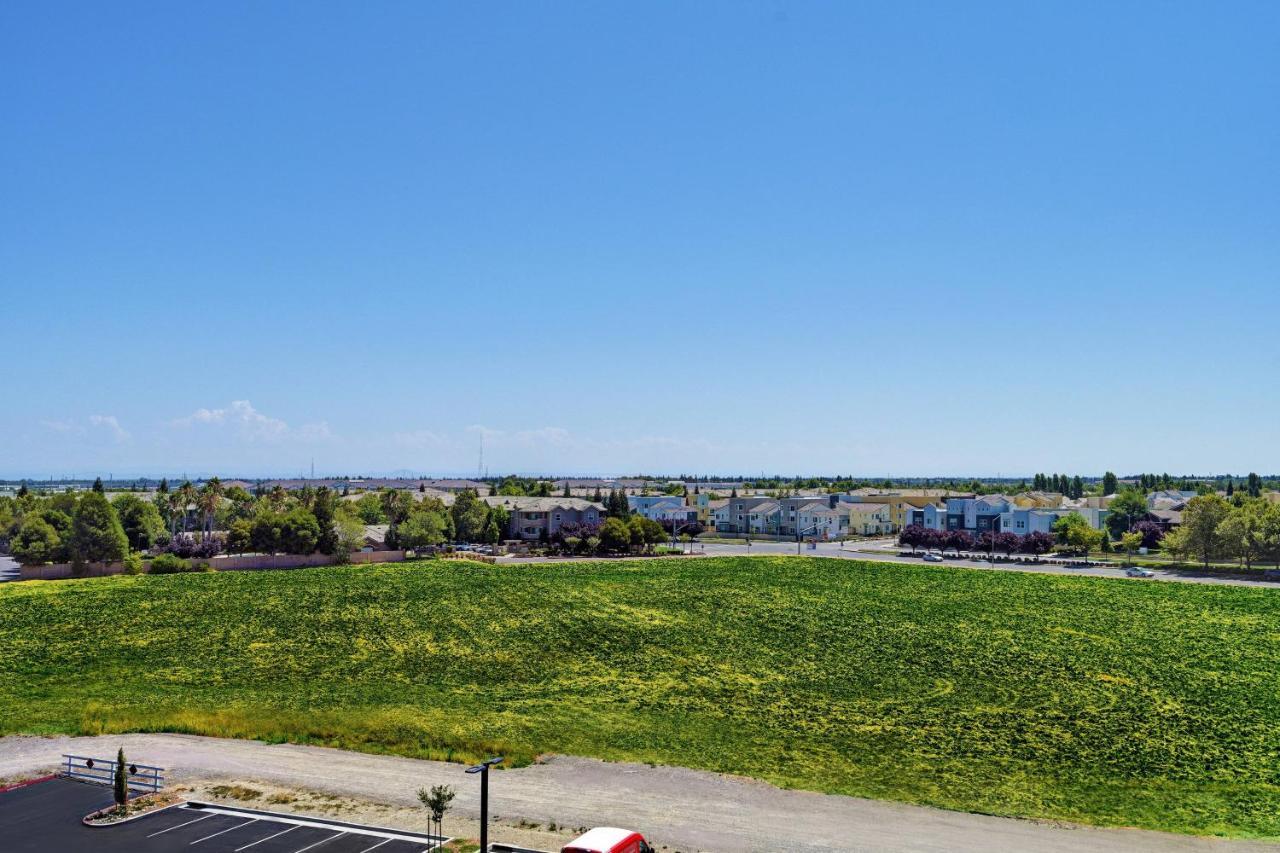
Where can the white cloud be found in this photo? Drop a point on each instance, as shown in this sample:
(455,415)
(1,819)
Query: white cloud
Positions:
(71,426)
(110,423)
(252,425)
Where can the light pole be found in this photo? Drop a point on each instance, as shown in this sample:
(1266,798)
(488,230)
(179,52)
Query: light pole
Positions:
(800,533)
(676,528)
(483,769)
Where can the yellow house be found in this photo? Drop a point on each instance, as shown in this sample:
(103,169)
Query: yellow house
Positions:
(1037,500)
(869,519)
(702,502)
(900,504)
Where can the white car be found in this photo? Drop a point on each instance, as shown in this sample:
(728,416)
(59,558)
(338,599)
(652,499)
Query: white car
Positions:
(1139,572)
(932,557)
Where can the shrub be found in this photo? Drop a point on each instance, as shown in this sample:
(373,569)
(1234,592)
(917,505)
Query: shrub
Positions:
(169,564)
(133,563)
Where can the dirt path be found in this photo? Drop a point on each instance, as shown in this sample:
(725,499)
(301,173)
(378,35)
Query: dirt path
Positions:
(681,809)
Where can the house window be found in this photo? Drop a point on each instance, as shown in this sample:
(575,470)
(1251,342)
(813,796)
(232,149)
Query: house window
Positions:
(557,516)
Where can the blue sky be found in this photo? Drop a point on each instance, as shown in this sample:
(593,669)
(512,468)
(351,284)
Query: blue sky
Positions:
(897,238)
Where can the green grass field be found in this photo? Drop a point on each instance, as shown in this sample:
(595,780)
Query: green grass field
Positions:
(1109,702)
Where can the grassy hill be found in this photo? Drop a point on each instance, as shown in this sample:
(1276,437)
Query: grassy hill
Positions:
(1111,702)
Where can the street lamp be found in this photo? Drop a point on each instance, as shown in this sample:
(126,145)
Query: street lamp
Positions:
(483,769)
(800,533)
(676,528)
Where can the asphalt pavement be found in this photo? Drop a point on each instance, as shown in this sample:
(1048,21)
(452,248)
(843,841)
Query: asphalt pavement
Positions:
(47,817)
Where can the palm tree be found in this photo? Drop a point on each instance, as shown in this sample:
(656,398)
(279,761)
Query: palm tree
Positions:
(187,496)
(175,509)
(277,497)
(208,500)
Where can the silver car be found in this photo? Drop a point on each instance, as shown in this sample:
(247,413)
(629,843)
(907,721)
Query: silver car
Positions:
(1139,572)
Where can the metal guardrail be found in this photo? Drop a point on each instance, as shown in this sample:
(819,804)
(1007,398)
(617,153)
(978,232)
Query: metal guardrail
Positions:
(141,777)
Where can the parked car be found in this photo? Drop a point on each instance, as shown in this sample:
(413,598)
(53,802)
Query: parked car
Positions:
(1139,572)
(608,839)
(931,557)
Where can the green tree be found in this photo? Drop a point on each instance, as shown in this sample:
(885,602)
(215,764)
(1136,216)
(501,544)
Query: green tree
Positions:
(437,801)
(1198,535)
(140,519)
(615,536)
(324,506)
(207,501)
(1254,485)
(1074,531)
(500,518)
(1126,509)
(299,532)
(267,533)
(35,542)
(470,514)
(422,529)
(645,532)
(369,508)
(1110,483)
(348,533)
(120,784)
(98,487)
(396,505)
(1244,532)
(1130,542)
(239,536)
(96,534)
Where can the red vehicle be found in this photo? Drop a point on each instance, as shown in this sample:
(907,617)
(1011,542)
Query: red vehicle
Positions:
(608,839)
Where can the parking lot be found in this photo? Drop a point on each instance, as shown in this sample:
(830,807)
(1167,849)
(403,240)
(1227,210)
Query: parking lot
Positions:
(46,817)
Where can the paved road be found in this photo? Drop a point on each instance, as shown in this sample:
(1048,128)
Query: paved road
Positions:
(887,550)
(683,809)
(46,817)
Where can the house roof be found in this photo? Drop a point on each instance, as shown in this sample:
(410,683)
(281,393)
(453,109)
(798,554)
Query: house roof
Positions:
(1169,516)
(531,504)
(866,507)
(376,532)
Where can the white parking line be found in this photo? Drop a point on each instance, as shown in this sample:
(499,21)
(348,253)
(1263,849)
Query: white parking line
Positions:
(268,838)
(350,829)
(376,846)
(228,829)
(321,841)
(179,826)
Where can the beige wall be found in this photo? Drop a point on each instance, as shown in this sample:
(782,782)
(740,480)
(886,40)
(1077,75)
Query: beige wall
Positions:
(58,571)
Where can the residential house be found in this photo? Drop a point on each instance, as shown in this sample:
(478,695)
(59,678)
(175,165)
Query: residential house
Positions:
(1169,499)
(1166,518)
(1039,500)
(821,519)
(763,517)
(902,503)
(645,505)
(751,515)
(375,537)
(718,514)
(977,515)
(869,519)
(539,518)
(931,516)
(701,501)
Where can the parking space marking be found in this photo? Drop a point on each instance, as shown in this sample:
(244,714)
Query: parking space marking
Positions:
(228,829)
(376,846)
(179,826)
(428,843)
(268,838)
(322,841)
